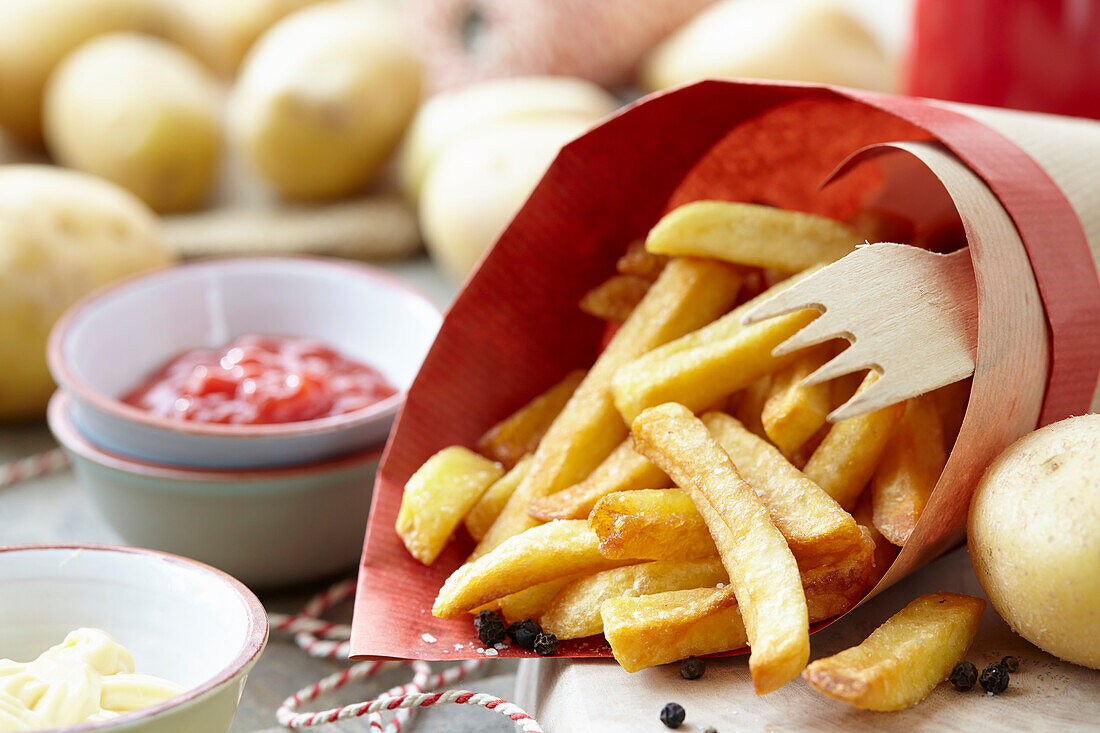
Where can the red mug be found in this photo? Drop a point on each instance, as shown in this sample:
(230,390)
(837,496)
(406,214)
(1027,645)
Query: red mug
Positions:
(1041,55)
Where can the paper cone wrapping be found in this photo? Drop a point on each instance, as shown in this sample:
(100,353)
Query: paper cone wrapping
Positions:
(1019,182)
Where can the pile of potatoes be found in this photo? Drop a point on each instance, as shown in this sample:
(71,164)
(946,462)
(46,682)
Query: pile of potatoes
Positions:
(149,94)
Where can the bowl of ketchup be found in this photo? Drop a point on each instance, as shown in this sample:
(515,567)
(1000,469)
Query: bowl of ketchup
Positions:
(242,363)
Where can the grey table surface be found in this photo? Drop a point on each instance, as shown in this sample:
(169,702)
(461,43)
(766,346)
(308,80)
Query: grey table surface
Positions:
(54,509)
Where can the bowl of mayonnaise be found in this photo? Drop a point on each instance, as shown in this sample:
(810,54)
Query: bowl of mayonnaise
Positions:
(104,638)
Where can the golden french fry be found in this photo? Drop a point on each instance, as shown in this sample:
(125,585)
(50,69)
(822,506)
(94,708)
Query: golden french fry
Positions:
(532,602)
(905,658)
(908,470)
(750,406)
(846,458)
(652,524)
(639,261)
(751,234)
(615,298)
(793,411)
(519,434)
(482,515)
(763,572)
(688,294)
(645,631)
(575,612)
(885,551)
(698,377)
(665,627)
(438,496)
(623,470)
(811,521)
(538,555)
(878,225)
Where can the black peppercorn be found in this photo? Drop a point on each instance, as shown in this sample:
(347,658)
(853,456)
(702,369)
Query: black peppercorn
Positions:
(710,729)
(546,644)
(963,676)
(994,679)
(1010,663)
(490,628)
(692,668)
(524,633)
(672,715)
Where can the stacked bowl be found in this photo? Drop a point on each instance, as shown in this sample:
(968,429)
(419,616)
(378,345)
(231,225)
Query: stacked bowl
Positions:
(271,503)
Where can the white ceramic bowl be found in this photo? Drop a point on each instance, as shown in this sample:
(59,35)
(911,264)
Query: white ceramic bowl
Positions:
(183,621)
(269,528)
(109,342)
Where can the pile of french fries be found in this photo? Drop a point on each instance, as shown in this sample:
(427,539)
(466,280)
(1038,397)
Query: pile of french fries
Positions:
(687,495)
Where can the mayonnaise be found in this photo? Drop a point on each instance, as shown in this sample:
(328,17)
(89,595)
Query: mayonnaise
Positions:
(87,677)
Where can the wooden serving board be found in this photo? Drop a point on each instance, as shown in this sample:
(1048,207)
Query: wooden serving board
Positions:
(597,695)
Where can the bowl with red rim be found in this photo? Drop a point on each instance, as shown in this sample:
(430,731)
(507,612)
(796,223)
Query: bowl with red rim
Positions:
(111,343)
(181,620)
(268,527)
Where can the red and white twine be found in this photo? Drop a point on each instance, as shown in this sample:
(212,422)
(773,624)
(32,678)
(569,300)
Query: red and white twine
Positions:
(32,467)
(319,638)
(323,639)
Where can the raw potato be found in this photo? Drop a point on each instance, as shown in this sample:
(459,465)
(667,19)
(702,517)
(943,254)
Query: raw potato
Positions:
(324,97)
(804,41)
(221,32)
(140,112)
(449,116)
(36,34)
(480,181)
(62,235)
(1034,535)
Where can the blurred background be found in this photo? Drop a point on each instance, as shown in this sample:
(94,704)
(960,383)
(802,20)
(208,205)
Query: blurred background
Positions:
(134,133)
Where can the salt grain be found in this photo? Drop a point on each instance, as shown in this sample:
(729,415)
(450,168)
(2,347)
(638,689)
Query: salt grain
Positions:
(490,652)
(458,647)
(428,638)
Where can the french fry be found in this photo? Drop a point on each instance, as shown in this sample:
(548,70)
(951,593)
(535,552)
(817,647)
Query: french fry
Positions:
(655,629)
(750,408)
(532,602)
(639,261)
(623,470)
(538,555)
(846,458)
(491,504)
(615,298)
(751,234)
(645,631)
(908,470)
(812,523)
(885,551)
(519,434)
(438,496)
(763,572)
(697,378)
(652,524)
(684,365)
(793,411)
(688,294)
(903,659)
(575,612)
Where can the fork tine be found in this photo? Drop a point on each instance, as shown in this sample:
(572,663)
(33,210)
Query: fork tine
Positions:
(850,360)
(882,393)
(818,331)
(799,297)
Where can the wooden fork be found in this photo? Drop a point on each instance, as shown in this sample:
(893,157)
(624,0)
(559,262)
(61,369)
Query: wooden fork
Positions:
(909,314)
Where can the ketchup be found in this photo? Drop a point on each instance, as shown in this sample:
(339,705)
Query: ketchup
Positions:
(256,380)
